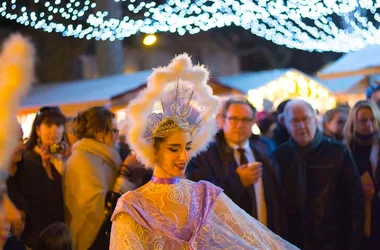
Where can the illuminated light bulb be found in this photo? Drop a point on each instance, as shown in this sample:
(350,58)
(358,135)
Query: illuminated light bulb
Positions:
(149,40)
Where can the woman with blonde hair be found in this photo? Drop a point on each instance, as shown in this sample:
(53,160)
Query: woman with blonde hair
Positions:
(362,137)
(168,123)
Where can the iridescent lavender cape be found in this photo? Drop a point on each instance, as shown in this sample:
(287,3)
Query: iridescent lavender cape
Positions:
(186,215)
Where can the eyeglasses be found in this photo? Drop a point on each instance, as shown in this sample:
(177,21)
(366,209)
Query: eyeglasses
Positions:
(304,121)
(235,120)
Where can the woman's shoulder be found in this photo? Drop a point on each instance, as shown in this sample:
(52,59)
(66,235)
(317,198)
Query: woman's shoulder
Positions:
(83,157)
(207,186)
(202,188)
(31,155)
(30,161)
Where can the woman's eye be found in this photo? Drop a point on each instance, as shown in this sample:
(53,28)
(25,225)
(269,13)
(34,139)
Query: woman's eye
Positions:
(188,148)
(173,149)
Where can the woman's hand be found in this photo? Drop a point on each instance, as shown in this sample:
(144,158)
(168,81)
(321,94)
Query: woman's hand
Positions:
(45,155)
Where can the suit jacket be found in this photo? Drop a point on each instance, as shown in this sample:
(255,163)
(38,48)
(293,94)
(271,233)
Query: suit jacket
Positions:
(218,165)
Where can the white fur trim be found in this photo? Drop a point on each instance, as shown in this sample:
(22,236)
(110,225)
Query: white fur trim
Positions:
(16,75)
(140,108)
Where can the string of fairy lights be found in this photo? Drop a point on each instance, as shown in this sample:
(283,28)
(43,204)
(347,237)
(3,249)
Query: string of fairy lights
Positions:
(313,25)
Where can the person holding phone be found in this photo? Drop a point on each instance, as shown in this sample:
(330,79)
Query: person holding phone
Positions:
(42,172)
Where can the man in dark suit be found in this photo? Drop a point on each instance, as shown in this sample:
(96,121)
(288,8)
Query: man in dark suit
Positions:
(240,163)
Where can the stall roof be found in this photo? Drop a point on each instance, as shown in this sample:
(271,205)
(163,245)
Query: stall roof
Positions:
(101,89)
(252,80)
(361,62)
(342,85)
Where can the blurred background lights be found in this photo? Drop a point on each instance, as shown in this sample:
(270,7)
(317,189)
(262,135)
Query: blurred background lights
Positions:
(313,25)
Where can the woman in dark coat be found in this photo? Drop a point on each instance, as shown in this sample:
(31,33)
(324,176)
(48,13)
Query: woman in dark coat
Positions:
(41,176)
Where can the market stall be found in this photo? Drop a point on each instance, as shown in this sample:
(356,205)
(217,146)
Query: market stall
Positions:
(281,84)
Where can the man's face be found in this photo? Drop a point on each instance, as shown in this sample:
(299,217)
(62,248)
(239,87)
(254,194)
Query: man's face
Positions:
(301,124)
(238,123)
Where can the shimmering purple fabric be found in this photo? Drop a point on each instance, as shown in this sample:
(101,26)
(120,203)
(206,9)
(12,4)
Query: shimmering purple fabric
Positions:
(149,216)
(187,215)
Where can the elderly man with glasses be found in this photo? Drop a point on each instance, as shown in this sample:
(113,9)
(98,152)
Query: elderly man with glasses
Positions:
(322,194)
(240,163)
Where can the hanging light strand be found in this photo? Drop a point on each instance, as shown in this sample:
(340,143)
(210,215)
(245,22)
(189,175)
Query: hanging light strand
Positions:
(314,25)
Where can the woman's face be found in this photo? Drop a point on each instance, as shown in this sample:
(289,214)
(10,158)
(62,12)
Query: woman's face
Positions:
(111,137)
(365,122)
(336,124)
(172,155)
(50,133)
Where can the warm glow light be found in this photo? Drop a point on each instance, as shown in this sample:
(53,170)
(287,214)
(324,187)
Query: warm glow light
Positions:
(120,115)
(256,129)
(149,40)
(292,85)
(26,122)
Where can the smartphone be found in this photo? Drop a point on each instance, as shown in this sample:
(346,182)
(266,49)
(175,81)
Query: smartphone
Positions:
(56,149)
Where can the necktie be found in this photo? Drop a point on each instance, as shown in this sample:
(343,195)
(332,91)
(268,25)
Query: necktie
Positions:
(243,158)
(251,189)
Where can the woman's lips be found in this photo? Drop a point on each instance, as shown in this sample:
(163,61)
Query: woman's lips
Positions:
(180,166)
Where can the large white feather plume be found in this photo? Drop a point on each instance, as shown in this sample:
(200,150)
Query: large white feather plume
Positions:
(140,108)
(16,76)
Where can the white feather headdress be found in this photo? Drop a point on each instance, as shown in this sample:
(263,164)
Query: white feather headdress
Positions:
(16,76)
(178,92)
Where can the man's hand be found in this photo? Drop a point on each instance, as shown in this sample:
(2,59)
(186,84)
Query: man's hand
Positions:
(132,162)
(249,173)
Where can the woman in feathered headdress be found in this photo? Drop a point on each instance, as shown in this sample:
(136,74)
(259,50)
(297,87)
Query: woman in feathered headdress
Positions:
(16,75)
(169,122)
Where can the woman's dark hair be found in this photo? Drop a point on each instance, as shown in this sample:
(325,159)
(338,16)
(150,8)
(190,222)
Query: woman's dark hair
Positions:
(281,106)
(47,115)
(265,124)
(92,121)
(56,236)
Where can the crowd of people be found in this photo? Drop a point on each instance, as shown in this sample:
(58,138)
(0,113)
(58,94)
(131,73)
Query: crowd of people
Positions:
(308,181)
